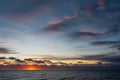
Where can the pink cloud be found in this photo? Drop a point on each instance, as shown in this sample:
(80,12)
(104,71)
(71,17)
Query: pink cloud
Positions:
(93,31)
(55,22)
(101,3)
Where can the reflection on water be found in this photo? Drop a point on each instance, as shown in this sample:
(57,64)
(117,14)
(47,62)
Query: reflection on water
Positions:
(59,75)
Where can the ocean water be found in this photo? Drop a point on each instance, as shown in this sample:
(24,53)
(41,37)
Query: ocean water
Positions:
(59,75)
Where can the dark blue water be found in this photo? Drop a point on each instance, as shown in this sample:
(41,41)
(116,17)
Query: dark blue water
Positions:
(59,75)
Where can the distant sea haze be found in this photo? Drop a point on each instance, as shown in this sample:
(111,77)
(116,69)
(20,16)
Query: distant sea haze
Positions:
(59,75)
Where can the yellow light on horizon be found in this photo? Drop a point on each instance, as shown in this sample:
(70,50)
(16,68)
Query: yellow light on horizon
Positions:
(32,68)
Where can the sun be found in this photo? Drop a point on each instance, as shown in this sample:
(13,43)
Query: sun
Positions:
(31,67)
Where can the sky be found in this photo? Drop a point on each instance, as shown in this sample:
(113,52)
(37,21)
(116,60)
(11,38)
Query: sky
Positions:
(72,31)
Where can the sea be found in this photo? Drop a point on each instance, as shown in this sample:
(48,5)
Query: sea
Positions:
(59,75)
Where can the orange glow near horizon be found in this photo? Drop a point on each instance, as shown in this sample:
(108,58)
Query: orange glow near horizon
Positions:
(31,67)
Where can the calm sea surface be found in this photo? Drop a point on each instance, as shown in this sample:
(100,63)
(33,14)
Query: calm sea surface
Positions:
(59,75)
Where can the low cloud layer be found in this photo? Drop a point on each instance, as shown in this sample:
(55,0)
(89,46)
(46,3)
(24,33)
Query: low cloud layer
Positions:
(103,61)
(113,58)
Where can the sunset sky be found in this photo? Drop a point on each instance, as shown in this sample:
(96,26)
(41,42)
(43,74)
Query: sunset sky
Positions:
(60,32)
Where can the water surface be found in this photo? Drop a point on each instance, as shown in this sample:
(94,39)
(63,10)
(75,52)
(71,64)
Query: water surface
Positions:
(59,75)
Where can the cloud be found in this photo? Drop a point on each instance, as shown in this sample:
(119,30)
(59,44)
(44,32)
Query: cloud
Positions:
(92,34)
(29,59)
(79,62)
(34,61)
(114,30)
(117,47)
(39,61)
(20,61)
(96,57)
(84,35)
(71,23)
(62,26)
(111,57)
(2,57)
(106,6)
(56,27)
(6,51)
(12,58)
(102,43)
(112,61)
(48,61)
(99,20)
